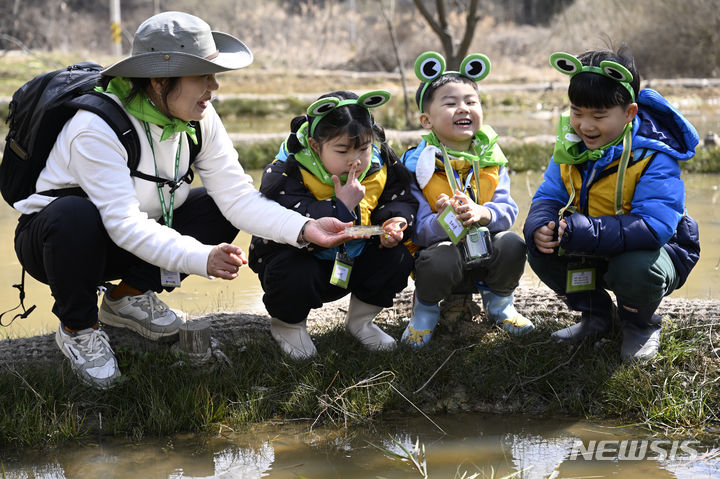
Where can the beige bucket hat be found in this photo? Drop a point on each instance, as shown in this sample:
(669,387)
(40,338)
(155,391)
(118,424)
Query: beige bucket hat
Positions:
(174,44)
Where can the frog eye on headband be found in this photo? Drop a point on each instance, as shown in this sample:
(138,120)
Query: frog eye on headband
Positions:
(569,65)
(323,106)
(616,71)
(374,99)
(318,109)
(476,67)
(565,63)
(429,66)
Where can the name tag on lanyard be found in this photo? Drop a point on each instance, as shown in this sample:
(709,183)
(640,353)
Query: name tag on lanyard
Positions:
(168,279)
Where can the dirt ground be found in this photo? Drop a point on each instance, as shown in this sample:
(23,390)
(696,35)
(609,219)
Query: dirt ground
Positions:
(235,328)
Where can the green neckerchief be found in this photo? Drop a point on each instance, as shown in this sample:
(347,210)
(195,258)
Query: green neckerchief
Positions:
(142,108)
(310,160)
(568,143)
(484,153)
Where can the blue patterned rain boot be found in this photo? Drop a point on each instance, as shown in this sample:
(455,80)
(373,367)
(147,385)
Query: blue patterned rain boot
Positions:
(501,311)
(422,323)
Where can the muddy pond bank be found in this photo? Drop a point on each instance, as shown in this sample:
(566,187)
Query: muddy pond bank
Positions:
(470,366)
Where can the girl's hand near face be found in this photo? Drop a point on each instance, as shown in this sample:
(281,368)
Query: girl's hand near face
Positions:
(352,192)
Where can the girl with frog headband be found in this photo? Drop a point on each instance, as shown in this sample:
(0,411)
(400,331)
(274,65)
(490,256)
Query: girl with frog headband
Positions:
(610,213)
(330,165)
(463,190)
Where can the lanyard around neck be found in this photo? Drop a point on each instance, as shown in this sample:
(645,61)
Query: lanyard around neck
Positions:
(453,177)
(166,212)
(619,184)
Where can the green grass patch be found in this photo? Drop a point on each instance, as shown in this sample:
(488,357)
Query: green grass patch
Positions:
(486,370)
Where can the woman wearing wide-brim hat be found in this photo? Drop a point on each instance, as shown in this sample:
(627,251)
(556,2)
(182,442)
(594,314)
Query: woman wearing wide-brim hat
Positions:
(148,235)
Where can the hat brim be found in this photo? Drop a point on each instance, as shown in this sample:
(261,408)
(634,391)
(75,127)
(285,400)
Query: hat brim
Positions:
(233,54)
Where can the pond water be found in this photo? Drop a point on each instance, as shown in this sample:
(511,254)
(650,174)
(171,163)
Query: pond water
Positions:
(491,446)
(199,295)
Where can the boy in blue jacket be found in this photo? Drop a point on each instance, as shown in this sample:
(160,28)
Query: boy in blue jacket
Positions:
(463,190)
(610,213)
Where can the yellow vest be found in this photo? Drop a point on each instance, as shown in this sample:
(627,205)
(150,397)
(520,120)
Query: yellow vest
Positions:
(601,197)
(374,184)
(438,183)
(489,179)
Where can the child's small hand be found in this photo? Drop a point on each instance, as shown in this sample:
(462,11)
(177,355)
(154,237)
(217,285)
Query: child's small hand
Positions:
(545,239)
(468,211)
(442,202)
(393,235)
(352,192)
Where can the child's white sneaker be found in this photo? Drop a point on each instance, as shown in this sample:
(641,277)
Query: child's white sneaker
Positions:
(90,355)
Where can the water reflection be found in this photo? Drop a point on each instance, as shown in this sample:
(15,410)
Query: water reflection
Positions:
(489,445)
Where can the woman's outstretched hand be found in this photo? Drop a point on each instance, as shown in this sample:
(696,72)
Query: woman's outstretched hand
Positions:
(327,232)
(225,260)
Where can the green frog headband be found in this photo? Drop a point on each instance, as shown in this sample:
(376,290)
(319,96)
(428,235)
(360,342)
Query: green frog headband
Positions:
(570,65)
(431,65)
(323,106)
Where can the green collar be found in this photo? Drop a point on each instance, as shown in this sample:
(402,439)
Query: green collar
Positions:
(483,145)
(568,144)
(143,109)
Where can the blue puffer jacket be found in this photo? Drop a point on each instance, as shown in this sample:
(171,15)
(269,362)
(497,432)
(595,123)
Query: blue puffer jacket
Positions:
(657,217)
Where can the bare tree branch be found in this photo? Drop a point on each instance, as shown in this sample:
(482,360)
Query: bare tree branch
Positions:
(396,50)
(454,51)
(471,19)
(428,17)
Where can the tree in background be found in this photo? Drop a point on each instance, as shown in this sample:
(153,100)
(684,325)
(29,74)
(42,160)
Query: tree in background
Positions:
(454,50)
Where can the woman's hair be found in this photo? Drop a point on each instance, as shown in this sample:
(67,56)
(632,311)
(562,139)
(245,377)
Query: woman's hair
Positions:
(437,83)
(140,85)
(591,90)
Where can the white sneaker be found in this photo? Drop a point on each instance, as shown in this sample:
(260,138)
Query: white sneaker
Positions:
(90,355)
(145,314)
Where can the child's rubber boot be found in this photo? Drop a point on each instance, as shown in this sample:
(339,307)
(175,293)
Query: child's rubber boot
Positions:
(501,310)
(598,313)
(293,339)
(359,323)
(422,323)
(641,331)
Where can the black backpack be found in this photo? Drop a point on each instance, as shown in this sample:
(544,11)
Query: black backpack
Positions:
(39,110)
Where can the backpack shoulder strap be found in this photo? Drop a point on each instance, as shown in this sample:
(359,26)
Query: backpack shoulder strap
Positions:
(114,115)
(195,149)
